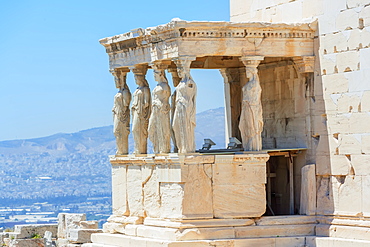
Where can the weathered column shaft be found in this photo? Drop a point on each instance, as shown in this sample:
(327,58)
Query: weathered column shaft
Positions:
(121,111)
(183,123)
(175,80)
(159,123)
(232,87)
(141,109)
(251,119)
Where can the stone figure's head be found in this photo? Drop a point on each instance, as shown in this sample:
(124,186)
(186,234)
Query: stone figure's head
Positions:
(250,72)
(183,72)
(183,67)
(159,75)
(139,79)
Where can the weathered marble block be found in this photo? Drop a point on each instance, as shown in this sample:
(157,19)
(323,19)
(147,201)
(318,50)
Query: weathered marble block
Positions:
(187,187)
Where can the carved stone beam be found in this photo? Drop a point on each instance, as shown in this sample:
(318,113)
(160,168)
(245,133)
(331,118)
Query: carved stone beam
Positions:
(304,64)
(139,69)
(120,75)
(159,65)
(184,62)
(251,61)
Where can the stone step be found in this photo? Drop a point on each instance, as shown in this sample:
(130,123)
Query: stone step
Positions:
(337,242)
(118,240)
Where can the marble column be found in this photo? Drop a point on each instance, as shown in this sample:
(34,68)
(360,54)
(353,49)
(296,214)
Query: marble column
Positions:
(183,123)
(141,109)
(251,119)
(175,81)
(121,111)
(232,89)
(159,123)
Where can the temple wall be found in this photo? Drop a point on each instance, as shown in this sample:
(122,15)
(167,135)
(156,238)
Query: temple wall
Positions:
(341,102)
(283,102)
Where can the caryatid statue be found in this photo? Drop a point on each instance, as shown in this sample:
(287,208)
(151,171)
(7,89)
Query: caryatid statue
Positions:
(184,116)
(251,119)
(121,112)
(175,80)
(159,122)
(141,106)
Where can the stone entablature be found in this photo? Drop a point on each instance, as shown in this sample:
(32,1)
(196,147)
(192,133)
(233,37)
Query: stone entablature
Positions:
(183,38)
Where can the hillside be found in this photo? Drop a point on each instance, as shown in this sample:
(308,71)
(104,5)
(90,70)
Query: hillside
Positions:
(75,164)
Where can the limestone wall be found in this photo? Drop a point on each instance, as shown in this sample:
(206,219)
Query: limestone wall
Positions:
(340,126)
(158,190)
(284,106)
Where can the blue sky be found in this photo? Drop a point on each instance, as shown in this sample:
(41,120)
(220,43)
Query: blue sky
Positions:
(54,73)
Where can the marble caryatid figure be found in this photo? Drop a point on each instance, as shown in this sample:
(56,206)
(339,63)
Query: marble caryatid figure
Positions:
(141,106)
(184,116)
(251,120)
(121,112)
(159,123)
(176,80)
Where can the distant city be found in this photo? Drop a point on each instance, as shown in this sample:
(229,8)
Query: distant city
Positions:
(70,172)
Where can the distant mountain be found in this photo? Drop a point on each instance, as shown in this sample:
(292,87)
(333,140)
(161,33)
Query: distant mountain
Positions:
(210,124)
(76,163)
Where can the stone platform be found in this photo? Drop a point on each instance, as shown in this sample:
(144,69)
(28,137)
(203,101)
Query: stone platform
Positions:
(171,198)
(194,187)
(265,231)
(215,200)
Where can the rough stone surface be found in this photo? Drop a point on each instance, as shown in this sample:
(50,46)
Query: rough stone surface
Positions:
(29,231)
(82,235)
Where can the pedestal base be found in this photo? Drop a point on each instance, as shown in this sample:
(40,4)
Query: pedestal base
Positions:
(265,231)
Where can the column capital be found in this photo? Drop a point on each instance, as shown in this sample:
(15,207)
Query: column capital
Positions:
(139,69)
(184,61)
(159,65)
(184,58)
(251,61)
(119,76)
(230,75)
(304,64)
(118,71)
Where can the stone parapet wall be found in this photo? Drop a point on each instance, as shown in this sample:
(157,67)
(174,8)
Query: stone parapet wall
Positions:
(163,186)
(175,190)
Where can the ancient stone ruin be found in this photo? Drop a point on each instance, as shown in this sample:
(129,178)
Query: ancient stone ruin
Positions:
(297,100)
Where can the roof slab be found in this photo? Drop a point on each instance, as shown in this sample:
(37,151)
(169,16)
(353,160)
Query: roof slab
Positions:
(212,44)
